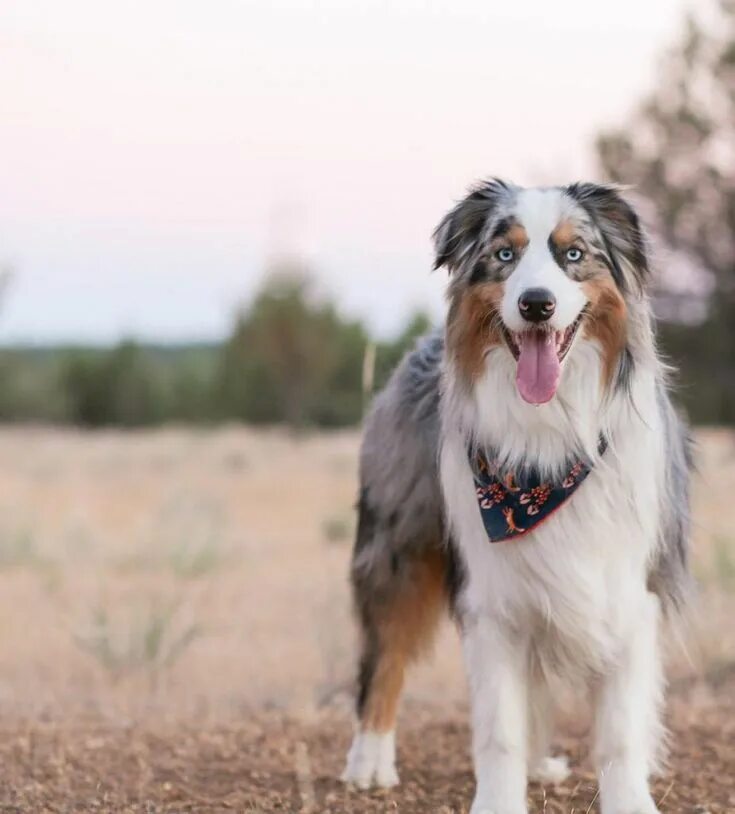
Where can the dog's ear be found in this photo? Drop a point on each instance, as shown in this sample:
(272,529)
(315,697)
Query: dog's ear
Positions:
(621,230)
(457,236)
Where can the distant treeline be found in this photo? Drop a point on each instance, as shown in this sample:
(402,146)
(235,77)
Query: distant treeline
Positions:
(290,359)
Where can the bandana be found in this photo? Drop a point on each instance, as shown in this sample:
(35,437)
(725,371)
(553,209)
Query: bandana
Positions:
(515,503)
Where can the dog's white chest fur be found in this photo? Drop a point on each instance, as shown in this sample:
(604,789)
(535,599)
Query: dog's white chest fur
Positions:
(576,581)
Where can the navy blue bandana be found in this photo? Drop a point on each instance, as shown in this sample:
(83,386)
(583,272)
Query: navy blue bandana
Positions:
(513,504)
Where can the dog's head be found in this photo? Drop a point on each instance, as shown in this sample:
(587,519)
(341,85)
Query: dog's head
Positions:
(533,269)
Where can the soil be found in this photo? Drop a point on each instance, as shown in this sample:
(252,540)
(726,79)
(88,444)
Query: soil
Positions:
(272,763)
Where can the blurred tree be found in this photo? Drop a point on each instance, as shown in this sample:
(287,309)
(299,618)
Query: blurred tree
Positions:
(29,387)
(187,380)
(679,152)
(389,354)
(115,387)
(291,358)
(340,402)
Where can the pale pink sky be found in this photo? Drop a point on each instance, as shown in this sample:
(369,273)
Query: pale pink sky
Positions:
(154,154)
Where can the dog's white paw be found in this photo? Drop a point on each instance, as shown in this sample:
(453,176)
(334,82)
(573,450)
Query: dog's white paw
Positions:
(642,807)
(371,761)
(485,805)
(482,808)
(624,790)
(551,770)
(640,804)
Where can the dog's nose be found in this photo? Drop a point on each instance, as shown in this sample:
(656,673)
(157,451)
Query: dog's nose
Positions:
(536,304)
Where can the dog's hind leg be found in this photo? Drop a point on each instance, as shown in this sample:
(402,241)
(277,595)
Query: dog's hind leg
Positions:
(398,616)
(399,561)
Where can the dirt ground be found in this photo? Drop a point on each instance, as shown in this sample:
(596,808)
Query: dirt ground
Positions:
(271,763)
(176,634)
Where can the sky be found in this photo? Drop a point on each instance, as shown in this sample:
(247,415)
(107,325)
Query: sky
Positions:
(156,156)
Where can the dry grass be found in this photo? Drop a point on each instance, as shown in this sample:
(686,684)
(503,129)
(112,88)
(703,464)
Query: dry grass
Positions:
(187,578)
(113,543)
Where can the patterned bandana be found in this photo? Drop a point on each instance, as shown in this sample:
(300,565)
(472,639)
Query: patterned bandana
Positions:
(515,504)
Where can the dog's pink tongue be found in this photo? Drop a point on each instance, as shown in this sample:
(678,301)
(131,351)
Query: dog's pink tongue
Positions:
(538,370)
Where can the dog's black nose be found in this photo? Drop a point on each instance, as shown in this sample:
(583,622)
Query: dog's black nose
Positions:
(537,304)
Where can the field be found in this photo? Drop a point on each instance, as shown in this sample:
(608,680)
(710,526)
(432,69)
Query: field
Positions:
(175,634)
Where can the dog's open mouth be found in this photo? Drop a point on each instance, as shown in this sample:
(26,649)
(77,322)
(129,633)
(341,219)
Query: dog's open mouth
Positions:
(540,352)
(562,339)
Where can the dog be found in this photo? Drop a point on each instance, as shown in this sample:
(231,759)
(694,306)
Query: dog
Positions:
(526,470)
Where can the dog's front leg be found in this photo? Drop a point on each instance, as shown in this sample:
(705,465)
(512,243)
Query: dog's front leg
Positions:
(497,673)
(628,725)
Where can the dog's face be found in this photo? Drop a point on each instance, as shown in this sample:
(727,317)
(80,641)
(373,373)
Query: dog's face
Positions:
(533,270)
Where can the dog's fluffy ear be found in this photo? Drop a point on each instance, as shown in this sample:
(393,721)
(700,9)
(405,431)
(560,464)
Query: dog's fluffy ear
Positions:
(457,236)
(621,230)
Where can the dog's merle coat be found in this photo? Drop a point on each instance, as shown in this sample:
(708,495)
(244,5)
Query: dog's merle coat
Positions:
(569,599)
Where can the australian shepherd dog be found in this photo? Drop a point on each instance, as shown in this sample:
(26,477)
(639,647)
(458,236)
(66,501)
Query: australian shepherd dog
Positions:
(525,469)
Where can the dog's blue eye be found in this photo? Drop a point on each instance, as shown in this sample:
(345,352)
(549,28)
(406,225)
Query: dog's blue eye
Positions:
(574,255)
(505,255)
